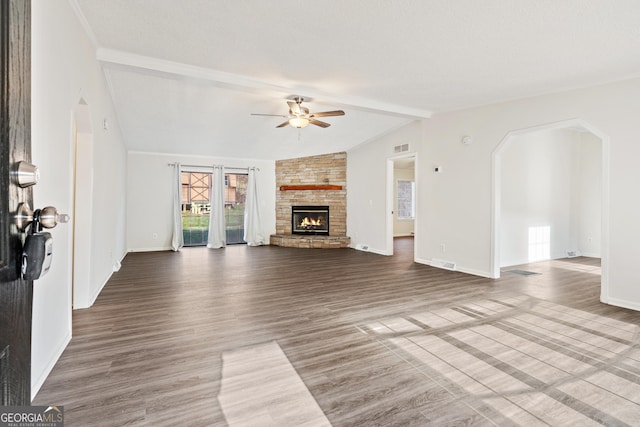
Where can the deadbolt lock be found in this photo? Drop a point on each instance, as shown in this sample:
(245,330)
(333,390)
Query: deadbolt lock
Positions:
(26,174)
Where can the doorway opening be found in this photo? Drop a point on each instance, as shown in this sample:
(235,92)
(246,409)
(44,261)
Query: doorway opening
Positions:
(196,206)
(550,186)
(402,202)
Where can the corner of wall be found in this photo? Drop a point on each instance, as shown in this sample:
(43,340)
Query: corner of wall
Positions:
(42,376)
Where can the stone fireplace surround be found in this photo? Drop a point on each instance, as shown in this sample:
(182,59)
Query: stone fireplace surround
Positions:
(312,181)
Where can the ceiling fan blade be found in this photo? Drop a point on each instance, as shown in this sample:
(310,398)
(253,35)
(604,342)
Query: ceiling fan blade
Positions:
(270,115)
(319,123)
(281,125)
(294,107)
(328,113)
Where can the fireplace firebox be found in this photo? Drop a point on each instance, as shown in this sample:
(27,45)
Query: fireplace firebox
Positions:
(310,220)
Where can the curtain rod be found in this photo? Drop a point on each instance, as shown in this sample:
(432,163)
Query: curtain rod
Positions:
(211,167)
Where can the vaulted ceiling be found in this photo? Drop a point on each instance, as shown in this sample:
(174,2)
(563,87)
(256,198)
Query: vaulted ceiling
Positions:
(185,75)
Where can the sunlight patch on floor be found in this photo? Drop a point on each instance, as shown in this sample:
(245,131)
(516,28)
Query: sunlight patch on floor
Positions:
(525,360)
(574,266)
(260,387)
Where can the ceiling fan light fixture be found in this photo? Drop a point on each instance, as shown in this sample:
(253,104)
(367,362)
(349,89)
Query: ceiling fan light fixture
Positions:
(298,122)
(300,117)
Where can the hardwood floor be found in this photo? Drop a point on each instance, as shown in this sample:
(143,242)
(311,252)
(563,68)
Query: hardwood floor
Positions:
(253,336)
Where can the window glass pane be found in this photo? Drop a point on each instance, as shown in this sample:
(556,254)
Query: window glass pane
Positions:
(196,207)
(234,201)
(539,243)
(406,196)
(196,195)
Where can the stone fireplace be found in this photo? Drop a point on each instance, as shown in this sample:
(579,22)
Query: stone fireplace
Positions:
(312,183)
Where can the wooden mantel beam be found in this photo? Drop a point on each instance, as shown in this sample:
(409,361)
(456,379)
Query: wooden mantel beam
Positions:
(310,187)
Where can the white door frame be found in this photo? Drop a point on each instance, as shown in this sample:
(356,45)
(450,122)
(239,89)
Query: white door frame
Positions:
(390,202)
(82,206)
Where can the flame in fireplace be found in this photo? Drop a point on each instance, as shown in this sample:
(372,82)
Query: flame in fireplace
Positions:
(309,222)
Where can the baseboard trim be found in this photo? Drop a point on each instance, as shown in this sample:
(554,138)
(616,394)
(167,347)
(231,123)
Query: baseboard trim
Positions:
(459,268)
(379,252)
(37,384)
(155,249)
(359,247)
(96,294)
(590,255)
(475,272)
(622,303)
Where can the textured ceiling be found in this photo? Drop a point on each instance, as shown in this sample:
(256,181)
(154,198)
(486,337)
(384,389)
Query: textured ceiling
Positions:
(186,74)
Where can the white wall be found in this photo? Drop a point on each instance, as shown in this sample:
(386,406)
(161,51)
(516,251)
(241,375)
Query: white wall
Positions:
(149,195)
(367,205)
(455,207)
(544,183)
(64,70)
(586,201)
(401,227)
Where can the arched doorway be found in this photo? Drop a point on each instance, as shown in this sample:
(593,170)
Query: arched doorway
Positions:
(500,220)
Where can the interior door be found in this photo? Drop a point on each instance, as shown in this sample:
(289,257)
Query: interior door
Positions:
(15,146)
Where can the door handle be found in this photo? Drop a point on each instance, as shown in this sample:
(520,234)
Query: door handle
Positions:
(47,217)
(37,251)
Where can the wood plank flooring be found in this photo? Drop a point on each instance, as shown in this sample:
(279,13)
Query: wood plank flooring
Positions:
(259,336)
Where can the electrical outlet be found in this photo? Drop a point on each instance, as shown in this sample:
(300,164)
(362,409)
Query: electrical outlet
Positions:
(443,248)
(155,236)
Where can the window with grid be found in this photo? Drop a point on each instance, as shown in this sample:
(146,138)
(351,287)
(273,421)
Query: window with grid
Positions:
(196,187)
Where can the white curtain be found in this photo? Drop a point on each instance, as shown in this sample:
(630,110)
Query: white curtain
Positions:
(177,241)
(252,222)
(217,233)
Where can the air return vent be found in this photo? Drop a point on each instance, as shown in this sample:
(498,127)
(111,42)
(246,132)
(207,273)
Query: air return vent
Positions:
(401,148)
(440,263)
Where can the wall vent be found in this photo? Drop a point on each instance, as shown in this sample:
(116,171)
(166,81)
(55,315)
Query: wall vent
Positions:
(401,148)
(361,247)
(447,265)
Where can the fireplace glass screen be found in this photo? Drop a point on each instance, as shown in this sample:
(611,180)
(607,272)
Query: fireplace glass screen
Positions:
(310,219)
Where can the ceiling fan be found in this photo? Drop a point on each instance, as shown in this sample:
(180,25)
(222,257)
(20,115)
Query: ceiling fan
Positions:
(300,116)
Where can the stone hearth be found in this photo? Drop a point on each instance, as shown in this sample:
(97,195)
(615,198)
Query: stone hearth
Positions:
(320,242)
